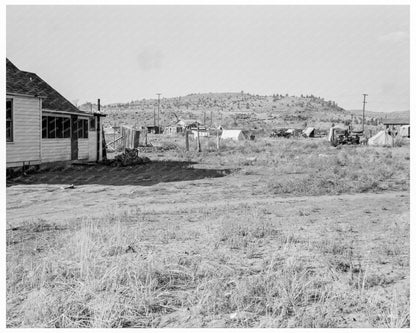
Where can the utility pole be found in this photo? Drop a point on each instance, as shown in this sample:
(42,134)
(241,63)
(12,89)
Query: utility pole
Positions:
(158,111)
(364,102)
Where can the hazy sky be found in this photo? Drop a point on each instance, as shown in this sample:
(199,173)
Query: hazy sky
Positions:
(123,53)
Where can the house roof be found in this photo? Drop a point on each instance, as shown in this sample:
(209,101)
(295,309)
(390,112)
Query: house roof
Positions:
(396,121)
(26,83)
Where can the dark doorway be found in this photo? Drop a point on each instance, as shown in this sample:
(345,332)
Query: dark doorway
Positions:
(74,137)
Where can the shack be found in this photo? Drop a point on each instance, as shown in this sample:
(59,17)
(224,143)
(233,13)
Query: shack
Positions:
(398,126)
(43,126)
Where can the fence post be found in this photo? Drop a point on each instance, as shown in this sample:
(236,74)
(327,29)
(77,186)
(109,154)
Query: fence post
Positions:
(218,140)
(187,140)
(114,133)
(145,135)
(198,143)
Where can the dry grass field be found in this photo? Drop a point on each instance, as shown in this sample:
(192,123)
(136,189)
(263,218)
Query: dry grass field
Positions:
(265,233)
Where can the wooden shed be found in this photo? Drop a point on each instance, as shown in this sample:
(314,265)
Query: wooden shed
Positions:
(398,125)
(43,126)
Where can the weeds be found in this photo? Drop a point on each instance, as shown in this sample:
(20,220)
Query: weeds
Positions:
(253,265)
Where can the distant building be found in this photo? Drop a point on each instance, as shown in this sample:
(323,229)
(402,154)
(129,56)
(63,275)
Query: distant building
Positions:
(189,124)
(43,126)
(154,129)
(172,129)
(201,132)
(388,122)
(184,124)
(398,126)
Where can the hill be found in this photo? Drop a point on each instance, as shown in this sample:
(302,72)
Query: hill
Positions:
(233,109)
(382,115)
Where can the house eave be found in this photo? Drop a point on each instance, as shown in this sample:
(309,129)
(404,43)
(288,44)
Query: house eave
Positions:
(68,112)
(8,93)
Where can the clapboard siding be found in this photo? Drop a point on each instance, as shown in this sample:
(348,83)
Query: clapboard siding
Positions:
(83,149)
(54,150)
(92,145)
(26,131)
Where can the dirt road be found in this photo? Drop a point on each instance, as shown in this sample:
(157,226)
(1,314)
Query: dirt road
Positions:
(60,203)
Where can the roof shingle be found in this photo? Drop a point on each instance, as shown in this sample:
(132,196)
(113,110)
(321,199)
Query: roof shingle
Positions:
(26,83)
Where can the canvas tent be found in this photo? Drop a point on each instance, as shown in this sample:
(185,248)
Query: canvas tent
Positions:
(236,135)
(404,131)
(110,131)
(309,132)
(381,139)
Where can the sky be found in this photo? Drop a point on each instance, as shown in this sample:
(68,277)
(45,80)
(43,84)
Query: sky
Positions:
(124,53)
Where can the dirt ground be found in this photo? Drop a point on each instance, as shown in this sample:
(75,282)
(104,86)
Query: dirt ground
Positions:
(170,186)
(185,208)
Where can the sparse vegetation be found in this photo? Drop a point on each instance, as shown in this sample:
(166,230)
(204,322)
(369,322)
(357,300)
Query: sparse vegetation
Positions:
(240,268)
(238,251)
(228,109)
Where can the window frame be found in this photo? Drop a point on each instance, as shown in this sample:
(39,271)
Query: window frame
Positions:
(11,140)
(59,128)
(82,127)
(50,120)
(92,125)
(66,120)
(63,119)
(44,119)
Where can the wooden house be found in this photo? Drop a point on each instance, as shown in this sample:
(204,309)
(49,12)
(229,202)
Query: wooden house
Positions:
(43,126)
(398,125)
(154,129)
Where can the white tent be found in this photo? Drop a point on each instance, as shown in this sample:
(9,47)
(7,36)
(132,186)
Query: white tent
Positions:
(404,131)
(309,131)
(381,139)
(110,130)
(236,135)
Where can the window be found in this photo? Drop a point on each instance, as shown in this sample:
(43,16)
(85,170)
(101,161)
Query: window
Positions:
(82,128)
(9,120)
(92,124)
(51,128)
(44,127)
(59,127)
(86,128)
(67,127)
(56,127)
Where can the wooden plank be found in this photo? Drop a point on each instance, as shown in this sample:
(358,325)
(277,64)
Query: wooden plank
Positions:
(26,130)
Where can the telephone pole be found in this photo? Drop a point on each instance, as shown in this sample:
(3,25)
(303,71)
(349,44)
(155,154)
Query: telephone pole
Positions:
(364,102)
(158,110)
